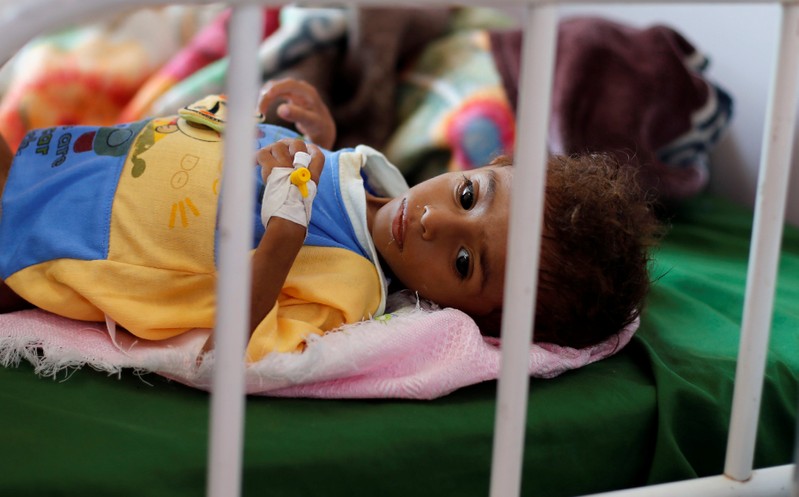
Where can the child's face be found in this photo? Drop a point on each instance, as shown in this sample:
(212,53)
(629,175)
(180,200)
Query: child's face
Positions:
(446,238)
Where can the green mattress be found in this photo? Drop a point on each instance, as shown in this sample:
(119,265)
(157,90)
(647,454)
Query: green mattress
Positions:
(658,411)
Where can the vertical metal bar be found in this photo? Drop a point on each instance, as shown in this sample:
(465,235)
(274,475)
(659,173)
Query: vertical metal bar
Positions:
(795,482)
(521,275)
(765,250)
(235,232)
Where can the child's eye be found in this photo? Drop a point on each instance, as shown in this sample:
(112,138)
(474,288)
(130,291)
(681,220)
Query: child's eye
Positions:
(467,194)
(462,263)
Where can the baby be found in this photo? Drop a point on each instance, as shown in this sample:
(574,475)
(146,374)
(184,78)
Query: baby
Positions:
(120,224)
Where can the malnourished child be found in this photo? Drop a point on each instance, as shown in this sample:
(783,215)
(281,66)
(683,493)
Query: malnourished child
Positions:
(119,223)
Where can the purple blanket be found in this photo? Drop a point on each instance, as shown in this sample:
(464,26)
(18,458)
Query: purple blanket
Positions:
(639,94)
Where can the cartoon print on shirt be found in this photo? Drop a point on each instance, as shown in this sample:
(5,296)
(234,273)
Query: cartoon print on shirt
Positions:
(111,141)
(155,130)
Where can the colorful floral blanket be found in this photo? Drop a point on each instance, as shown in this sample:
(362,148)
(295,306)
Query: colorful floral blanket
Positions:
(113,72)
(89,74)
(638,93)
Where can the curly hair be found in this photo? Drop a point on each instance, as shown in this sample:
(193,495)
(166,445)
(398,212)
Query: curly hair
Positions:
(597,234)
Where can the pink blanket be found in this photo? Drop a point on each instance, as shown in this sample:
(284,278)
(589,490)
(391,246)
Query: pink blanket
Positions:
(417,354)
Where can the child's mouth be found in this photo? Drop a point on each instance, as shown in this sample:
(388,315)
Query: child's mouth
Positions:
(398,226)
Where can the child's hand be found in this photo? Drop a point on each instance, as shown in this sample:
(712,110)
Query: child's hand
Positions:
(302,106)
(281,154)
(282,197)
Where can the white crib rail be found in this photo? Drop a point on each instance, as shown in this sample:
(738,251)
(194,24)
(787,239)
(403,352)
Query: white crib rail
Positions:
(24,20)
(775,167)
(524,235)
(235,232)
(768,482)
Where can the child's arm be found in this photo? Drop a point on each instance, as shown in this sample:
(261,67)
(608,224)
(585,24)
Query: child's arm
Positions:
(302,106)
(282,240)
(271,263)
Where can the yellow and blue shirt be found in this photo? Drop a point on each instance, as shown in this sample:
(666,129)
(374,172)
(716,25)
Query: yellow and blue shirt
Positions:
(120,223)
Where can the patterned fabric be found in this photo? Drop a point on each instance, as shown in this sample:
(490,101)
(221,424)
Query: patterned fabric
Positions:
(89,74)
(207,47)
(301,32)
(641,94)
(454,114)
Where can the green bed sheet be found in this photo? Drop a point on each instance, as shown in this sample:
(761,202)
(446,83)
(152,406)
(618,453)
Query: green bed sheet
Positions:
(658,411)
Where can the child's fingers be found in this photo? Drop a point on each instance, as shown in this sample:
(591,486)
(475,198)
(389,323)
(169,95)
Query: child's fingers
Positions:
(307,120)
(317,162)
(274,155)
(294,90)
(295,145)
(315,123)
(302,105)
(281,154)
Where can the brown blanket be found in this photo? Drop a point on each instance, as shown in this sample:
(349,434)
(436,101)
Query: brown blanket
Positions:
(360,81)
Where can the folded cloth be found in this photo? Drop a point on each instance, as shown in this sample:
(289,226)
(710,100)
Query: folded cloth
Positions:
(413,353)
(638,94)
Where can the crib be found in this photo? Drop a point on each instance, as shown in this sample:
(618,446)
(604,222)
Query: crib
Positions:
(23,20)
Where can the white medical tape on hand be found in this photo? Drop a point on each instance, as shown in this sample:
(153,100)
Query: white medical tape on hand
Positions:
(283,199)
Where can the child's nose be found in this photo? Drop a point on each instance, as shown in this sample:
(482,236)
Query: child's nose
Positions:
(438,223)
